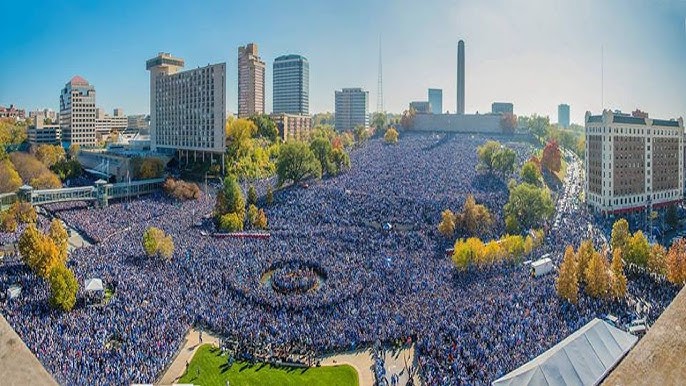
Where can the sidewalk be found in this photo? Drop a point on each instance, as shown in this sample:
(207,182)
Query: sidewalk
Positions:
(191,345)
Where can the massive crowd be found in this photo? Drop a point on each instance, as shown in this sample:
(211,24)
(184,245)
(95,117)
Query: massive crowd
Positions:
(373,283)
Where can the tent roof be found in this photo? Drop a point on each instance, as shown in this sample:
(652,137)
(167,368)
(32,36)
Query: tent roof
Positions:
(583,358)
(93,285)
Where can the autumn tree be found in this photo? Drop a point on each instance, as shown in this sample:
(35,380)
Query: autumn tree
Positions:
(467,252)
(49,155)
(597,276)
(33,172)
(657,259)
(583,257)
(252,214)
(620,234)
(63,288)
(552,157)
(147,168)
(530,173)
(475,219)
(508,123)
(567,283)
(60,237)
(231,222)
(447,225)
(24,212)
(261,221)
(9,178)
(8,222)
(391,135)
(637,249)
(38,251)
(230,199)
(181,190)
(619,281)
(157,243)
(676,262)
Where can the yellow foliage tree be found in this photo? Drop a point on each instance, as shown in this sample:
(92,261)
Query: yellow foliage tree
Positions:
(59,236)
(38,251)
(475,219)
(467,252)
(618,278)
(597,276)
(676,262)
(583,256)
(620,234)
(63,288)
(567,283)
(9,178)
(49,155)
(447,225)
(657,259)
(391,135)
(151,240)
(492,252)
(261,221)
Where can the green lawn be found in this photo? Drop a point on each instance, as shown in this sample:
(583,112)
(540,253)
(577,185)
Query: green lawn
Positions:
(214,370)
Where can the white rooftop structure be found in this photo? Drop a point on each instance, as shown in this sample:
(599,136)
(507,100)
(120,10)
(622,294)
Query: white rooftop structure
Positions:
(583,358)
(92,285)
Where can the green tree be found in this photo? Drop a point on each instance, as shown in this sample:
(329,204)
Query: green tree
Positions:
(538,126)
(321,147)
(360,133)
(230,199)
(231,222)
(486,153)
(340,160)
(270,196)
(671,216)
(637,249)
(296,162)
(530,173)
(620,234)
(530,205)
(391,135)
(63,288)
(512,224)
(252,195)
(266,128)
(567,283)
(379,120)
(252,214)
(504,161)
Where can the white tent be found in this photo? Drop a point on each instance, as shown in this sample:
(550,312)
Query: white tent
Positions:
(583,358)
(13,291)
(93,285)
(541,267)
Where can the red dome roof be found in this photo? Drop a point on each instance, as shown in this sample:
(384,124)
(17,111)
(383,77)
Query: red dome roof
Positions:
(78,80)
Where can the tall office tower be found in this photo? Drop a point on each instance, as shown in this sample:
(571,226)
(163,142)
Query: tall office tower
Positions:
(77,113)
(352,109)
(633,164)
(291,85)
(250,81)
(460,77)
(436,100)
(563,115)
(188,108)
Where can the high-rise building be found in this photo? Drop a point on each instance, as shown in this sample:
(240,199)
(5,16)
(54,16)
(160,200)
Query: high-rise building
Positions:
(460,77)
(633,164)
(77,113)
(188,108)
(352,109)
(436,100)
(291,85)
(138,122)
(250,81)
(563,115)
(502,108)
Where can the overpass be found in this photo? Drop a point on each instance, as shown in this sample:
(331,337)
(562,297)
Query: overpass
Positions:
(101,192)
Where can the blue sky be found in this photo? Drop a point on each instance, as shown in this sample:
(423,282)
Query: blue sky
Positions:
(535,54)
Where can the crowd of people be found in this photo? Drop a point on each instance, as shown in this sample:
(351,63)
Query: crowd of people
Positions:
(373,283)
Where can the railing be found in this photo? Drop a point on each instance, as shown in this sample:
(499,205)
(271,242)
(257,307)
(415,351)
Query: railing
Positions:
(48,196)
(7,199)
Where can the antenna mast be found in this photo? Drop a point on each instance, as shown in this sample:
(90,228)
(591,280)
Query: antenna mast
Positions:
(379,95)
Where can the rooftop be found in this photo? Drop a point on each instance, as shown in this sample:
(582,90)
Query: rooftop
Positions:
(18,365)
(77,80)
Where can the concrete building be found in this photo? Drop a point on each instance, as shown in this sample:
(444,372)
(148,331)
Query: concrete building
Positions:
(45,114)
(293,126)
(77,113)
(12,112)
(563,115)
(436,100)
(502,108)
(40,133)
(105,124)
(458,123)
(188,108)
(460,77)
(250,81)
(138,122)
(291,85)
(352,109)
(421,107)
(633,163)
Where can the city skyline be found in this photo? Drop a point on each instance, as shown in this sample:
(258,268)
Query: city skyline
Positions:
(508,58)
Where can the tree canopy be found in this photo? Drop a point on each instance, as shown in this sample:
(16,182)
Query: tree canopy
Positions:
(391,135)
(157,243)
(493,157)
(529,206)
(530,173)
(63,288)
(552,157)
(567,283)
(296,162)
